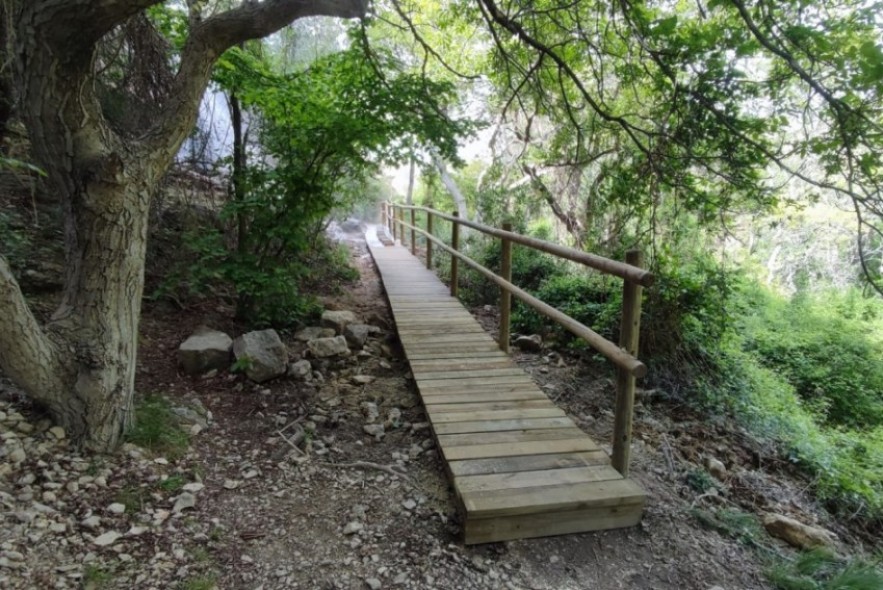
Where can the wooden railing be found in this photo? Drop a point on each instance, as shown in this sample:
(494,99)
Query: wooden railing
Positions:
(634,279)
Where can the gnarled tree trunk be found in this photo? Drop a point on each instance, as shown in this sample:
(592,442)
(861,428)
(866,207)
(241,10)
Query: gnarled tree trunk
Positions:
(81,364)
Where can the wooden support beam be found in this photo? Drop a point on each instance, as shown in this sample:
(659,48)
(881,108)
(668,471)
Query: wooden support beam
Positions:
(429,242)
(455,245)
(505,295)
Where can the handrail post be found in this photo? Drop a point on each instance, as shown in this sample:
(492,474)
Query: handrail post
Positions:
(505,296)
(428,241)
(383,212)
(392,224)
(625,382)
(455,244)
(400,230)
(413,232)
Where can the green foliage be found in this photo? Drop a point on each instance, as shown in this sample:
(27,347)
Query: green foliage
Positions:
(15,244)
(172,483)
(322,135)
(822,345)
(133,497)
(201,582)
(96,578)
(156,428)
(821,570)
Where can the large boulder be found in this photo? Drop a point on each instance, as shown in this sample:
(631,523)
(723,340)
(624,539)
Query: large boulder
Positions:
(326,347)
(338,320)
(205,350)
(261,354)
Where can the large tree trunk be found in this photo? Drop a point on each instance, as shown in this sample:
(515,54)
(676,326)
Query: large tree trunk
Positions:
(81,364)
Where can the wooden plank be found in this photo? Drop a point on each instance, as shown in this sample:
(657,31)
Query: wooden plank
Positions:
(526,526)
(484,396)
(614,492)
(447,441)
(493,352)
(448,388)
(523,404)
(527,463)
(486,374)
(514,449)
(462,364)
(477,382)
(500,425)
(550,412)
(467,484)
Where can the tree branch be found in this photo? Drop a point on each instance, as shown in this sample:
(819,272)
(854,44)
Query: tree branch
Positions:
(27,355)
(206,43)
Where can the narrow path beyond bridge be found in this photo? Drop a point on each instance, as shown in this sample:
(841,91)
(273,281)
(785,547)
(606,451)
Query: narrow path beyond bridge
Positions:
(518,465)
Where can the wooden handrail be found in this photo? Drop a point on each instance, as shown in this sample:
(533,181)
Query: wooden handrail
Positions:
(622,270)
(610,350)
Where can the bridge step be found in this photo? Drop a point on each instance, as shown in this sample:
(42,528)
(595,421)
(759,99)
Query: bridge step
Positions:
(519,466)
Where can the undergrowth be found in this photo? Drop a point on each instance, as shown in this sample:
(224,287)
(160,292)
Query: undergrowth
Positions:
(156,428)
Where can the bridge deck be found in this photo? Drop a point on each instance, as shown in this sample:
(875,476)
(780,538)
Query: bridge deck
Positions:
(519,466)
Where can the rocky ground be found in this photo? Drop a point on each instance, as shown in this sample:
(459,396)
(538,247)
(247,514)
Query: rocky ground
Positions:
(328,478)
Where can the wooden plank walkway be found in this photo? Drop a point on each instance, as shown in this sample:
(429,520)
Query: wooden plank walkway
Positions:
(519,466)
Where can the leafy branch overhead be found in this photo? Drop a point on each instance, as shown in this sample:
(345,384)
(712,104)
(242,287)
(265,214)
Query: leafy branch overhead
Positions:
(724,106)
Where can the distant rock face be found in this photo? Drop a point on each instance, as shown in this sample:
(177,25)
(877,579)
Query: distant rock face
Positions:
(796,533)
(338,320)
(313,332)
(263,354)
(326,347)
(205,350)
(533,343)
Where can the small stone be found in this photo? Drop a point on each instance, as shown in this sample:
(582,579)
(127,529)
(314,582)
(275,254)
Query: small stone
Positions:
(18,455)
(57,432)
(328,347)
(93,522)
(136,531)
(231,484)
(108,538)
(58,527)
(338,320)
(353,527)
(716,468)
(373,583)
(362,379)
(183,502)
(375,430)
(251,474)
(409,504)
(357,334)
(116,508)
(193,487)
(532,343)
(313,332)
(302,369)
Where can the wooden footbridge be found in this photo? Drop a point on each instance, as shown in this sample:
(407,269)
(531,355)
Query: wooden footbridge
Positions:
(518,465)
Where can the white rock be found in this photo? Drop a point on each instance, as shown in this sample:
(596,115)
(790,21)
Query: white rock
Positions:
(251,474)
(183,502)
(353,527)
(231,484)
(193,487)
(116,508)
(93,522)
(57,432)
(17,455)
(373,583)
(409,504)
(108,538)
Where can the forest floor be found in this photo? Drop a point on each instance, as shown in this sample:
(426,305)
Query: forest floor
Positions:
(241,509)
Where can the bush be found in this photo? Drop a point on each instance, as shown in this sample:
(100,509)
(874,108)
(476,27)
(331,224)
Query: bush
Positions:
(822,346)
